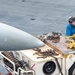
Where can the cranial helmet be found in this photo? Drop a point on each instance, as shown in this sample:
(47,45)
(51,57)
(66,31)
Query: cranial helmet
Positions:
(71,19)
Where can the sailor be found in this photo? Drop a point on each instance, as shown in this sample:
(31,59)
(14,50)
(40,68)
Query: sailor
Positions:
(70,29)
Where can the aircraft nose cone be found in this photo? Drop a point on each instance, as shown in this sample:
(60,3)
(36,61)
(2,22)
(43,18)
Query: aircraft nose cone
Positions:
(15,39)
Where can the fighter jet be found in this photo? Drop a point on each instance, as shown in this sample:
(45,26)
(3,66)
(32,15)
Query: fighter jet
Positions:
(12,39)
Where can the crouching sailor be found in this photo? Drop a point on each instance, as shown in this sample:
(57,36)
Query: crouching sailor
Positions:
(70,29)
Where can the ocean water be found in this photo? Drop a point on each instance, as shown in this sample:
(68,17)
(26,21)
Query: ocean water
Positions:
(36,16)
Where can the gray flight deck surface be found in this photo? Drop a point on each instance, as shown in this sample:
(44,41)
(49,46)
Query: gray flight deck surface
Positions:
(37,16)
